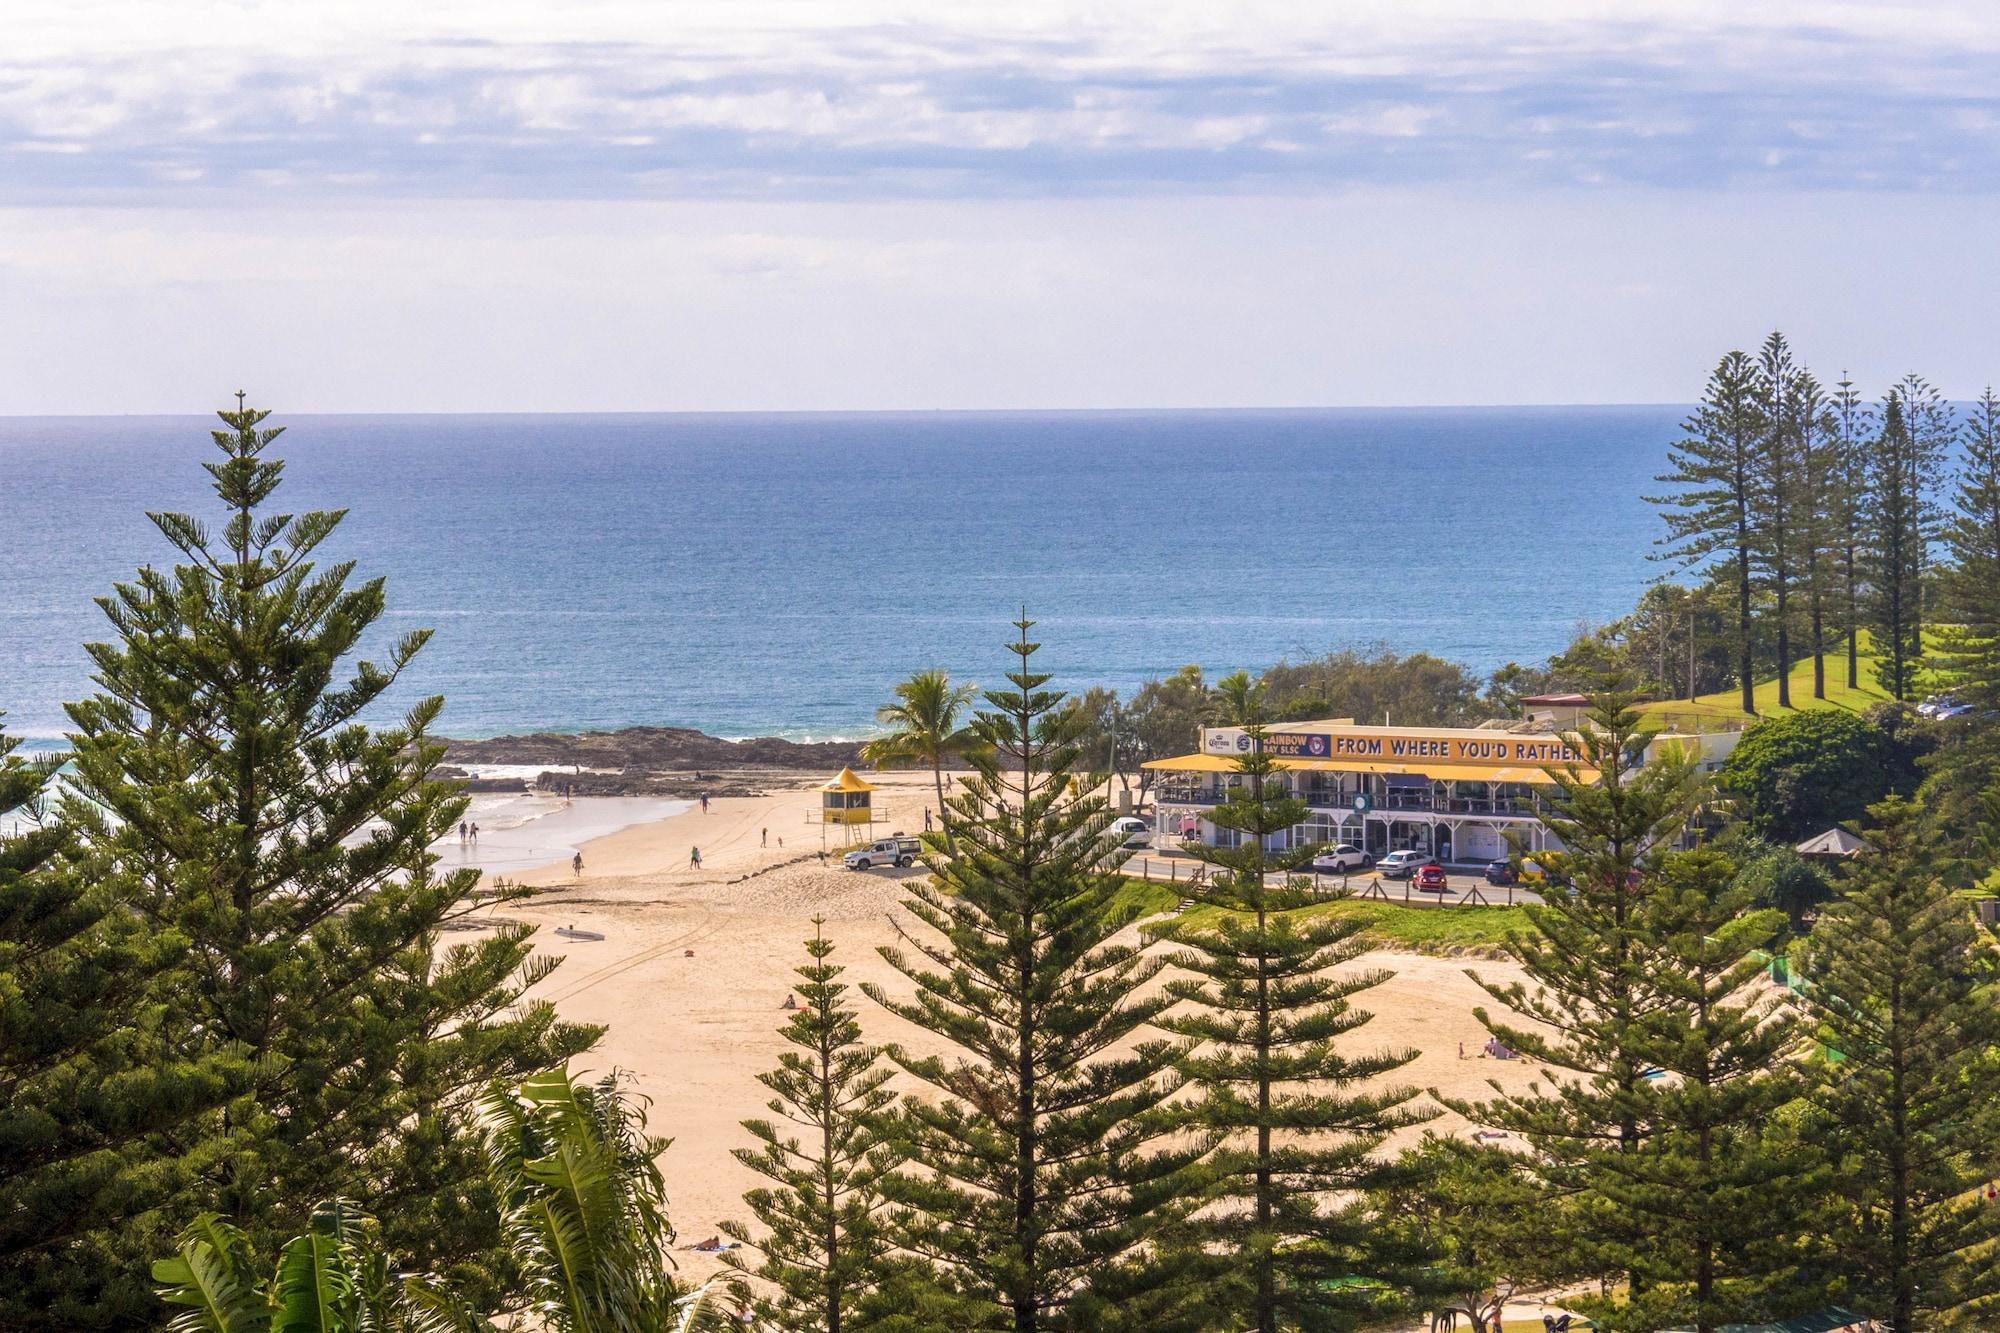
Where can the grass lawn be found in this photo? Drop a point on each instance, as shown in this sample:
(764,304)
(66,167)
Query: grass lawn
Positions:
(1143,897)
(1724,704)
(1389,925)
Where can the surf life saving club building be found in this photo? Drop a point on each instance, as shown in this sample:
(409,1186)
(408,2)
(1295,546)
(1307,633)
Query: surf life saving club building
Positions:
(1455,793)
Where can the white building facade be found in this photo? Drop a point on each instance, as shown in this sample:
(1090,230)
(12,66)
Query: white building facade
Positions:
(1465,795)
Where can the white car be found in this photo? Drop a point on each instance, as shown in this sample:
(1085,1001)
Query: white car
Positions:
(1340,858)
(1402,865)
(1133,831)
(1942,706)
(896,851)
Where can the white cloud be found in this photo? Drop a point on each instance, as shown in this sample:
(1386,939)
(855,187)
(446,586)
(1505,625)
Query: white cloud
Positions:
(768,99)
(518,204)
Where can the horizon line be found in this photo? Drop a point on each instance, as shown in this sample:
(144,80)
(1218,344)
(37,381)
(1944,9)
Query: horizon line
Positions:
(861,411)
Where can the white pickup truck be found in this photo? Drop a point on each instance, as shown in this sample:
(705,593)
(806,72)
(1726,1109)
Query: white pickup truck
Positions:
(896,851)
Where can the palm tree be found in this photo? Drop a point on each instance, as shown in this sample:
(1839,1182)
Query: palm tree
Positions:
(583,1210)
(1237,698)
(582,1203)
(923,727)
(334,1277)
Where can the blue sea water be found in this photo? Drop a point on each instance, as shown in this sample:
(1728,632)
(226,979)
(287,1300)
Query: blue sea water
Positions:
(776,574)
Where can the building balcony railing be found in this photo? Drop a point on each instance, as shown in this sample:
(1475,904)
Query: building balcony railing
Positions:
(1427,802)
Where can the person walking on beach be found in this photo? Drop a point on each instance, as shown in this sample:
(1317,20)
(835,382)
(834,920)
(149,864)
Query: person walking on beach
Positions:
(927,819)
(475,833)
(576,864)
(704,802)
(694,858)
(763,837)
(461,830)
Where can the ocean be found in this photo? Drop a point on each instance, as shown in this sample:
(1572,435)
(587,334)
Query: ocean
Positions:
(753,574)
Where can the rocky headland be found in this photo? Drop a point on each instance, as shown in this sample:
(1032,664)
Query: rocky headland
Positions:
(647,761)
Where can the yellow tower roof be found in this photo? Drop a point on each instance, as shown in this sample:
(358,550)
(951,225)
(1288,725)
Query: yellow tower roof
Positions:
(847,781)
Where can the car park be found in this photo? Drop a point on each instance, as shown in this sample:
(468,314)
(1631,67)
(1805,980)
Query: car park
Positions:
(893,851)
(1401,865)
(1941,706)
(1430,878)
(1341,858)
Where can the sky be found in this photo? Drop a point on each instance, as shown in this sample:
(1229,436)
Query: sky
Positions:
(857,204)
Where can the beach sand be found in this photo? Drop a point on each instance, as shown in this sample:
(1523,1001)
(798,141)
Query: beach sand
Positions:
(695,965)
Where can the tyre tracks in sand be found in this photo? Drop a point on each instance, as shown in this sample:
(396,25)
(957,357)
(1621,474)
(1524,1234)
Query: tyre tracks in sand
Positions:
(708,923)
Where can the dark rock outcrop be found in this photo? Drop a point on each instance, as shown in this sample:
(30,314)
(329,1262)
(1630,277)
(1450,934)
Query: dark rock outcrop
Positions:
(642,782)
(656,750)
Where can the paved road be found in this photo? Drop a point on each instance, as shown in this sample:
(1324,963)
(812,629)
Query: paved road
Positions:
(1462,889)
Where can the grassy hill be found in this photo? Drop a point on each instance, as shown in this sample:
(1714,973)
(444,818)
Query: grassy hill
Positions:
(1725,705)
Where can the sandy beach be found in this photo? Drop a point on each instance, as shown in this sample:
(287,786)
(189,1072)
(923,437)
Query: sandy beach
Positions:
(695,965)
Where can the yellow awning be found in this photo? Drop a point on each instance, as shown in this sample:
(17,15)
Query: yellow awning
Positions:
(847,781)
(1192,763)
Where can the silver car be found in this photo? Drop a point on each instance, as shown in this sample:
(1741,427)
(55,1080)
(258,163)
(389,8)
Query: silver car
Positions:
(1402,865)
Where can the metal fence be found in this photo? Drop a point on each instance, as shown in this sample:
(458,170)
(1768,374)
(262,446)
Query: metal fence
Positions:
(1195,876)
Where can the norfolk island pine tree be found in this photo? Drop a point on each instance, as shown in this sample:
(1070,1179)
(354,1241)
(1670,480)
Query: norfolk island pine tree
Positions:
(1902,987)
(1966,649)
(1722,1192)
(1288,1218)
(228,778)
(1778,493)
(1901,518)
(826,1241)
(95,1101)
(1852,424)
(1711,515)
(1580,959)
(1041,1175)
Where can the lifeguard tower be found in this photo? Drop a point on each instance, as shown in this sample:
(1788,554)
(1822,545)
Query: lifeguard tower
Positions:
(847,800)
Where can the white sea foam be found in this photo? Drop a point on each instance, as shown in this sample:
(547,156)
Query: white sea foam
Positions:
(520,832)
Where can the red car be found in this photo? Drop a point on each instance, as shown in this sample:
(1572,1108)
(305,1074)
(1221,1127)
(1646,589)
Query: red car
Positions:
(1430,878)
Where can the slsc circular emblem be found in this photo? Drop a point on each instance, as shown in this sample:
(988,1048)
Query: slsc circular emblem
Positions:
(1361,803)
(1316,745)
(1243,742)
